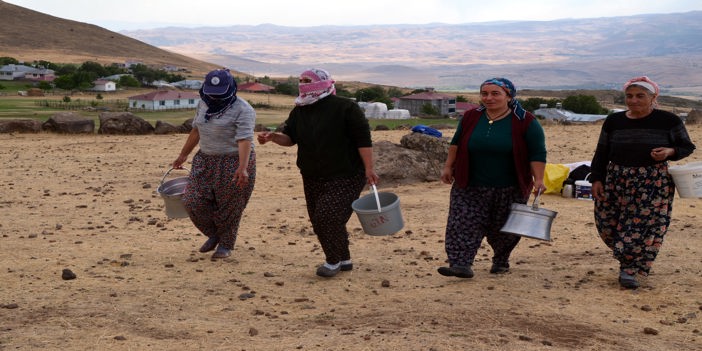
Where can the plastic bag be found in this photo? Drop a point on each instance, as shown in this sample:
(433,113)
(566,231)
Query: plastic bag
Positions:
(420,128)
(554,176)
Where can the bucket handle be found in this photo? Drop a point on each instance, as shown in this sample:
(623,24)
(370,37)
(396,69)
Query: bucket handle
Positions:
(535,204)
(587,176)
(377,199)
(169,171)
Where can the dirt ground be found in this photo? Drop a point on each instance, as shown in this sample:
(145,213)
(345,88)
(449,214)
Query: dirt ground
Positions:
(88,204)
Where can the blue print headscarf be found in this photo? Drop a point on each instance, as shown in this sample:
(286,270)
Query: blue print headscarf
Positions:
(509,88)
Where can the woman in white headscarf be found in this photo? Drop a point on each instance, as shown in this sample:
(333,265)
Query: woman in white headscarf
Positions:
(631,185)
(335,158)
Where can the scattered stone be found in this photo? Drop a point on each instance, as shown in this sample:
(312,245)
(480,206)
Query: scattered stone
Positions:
(525,338)
(385,283)
(246,296)
(10,306)
(169,265)
(650,331)
(120,338)
(253,332)
(67,274)
(646,308)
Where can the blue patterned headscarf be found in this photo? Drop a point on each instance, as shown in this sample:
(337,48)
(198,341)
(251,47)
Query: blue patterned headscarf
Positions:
(509,88)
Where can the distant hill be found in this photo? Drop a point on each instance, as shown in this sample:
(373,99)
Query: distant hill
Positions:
(597,53)
(31,36)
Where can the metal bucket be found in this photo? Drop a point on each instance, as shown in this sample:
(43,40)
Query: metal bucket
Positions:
(530,221)
(172,193)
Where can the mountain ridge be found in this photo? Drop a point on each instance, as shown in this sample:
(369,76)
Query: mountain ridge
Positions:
(595,53)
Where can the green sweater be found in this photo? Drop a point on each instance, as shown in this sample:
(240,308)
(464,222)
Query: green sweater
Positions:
(328,134)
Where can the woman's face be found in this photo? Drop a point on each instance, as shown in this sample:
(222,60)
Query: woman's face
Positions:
(638,99)
(494,97)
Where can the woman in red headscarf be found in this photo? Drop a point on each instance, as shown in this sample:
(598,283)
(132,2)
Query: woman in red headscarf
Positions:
(631,185)
(497,157)
(335,158)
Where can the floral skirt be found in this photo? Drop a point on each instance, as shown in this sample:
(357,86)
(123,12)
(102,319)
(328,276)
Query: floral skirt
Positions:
(634,217)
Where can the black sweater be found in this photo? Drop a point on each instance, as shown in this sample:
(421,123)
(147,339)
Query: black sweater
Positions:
(628,142)
(328,134)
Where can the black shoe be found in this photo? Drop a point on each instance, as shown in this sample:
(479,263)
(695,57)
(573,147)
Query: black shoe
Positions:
(210,244)
(628,281)
(499,268)
(344,267)
(456,271)
(326,272)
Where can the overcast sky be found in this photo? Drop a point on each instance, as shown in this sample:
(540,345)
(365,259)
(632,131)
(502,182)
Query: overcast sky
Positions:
(119,15)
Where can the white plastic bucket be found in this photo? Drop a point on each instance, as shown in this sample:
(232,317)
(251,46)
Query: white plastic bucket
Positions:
(688,179)
(583,189)
(379,213)
(172,193)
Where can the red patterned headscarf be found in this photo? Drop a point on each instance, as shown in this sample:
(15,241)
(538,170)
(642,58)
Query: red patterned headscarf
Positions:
(321,86)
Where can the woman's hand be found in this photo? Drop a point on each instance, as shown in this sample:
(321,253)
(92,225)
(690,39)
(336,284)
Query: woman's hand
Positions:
(264,137)
(178,163)
(539,186)
(372,177)
(598,191)
(447,175)
(241,176)
(662,153)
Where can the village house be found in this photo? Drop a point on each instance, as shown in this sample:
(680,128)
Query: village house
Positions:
(164,100)
(443,103)
(255,87)
(104,85)
(12,72)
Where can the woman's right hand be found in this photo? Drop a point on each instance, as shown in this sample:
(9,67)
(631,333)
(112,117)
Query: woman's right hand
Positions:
(447,175)
(598,190)
(178,163)
(264,137)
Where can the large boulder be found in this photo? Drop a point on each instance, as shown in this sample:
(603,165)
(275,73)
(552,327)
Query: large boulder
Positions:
(20,126)
(123,123)
(694,117)
(418,158)
(69,123)
(167,128)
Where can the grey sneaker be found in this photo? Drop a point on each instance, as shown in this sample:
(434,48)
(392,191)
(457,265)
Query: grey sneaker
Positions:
(628,281)
(456,271)
(221,253)
(326,272)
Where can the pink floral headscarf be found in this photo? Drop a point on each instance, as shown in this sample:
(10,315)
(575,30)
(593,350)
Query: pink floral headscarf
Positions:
(321,86)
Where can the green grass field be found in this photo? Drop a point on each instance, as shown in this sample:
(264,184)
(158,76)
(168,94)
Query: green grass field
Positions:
(13,106)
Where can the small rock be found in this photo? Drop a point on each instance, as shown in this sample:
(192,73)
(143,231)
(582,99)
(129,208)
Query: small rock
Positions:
(650,331)
(525,338)
(120,338)
(67,274)
(268,275)
(10,306)
(385,283)
(246,296)
(646,308)
(253,332)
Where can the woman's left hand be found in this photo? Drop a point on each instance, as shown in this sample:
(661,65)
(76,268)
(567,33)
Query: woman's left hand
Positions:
(662,153)
(539,186)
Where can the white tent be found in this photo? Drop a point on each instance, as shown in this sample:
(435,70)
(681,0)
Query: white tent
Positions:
(375,110)
(397,113)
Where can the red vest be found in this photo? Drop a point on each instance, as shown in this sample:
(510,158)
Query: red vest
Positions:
(461,171)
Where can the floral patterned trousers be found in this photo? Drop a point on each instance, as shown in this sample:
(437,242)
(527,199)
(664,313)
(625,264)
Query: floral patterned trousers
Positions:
(634,217)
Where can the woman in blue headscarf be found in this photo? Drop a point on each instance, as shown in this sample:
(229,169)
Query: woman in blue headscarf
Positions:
(497,157)
(224,168)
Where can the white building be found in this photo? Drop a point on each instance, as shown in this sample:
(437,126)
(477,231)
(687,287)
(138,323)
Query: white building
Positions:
(164,100)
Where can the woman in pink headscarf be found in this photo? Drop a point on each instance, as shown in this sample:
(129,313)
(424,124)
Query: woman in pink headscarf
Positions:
(631,185)
(335,158)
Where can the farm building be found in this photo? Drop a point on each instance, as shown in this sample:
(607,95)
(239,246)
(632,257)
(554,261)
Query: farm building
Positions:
(255,87)
(164,100)
(443,103)
(104,85)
